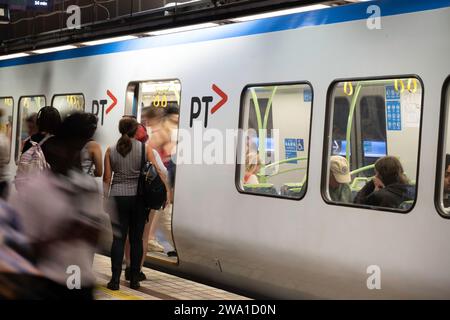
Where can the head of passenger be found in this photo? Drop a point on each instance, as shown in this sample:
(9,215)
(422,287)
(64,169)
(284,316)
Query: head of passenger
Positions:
(339,172)
(90,123)
(172,114)
(32,127)
(48,120)
(152,116)
(390,171)
(127,128)
(63,152)
(338,184)
(447,174)
(252,166)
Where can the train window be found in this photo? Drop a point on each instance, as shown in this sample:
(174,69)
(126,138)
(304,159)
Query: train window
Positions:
(273,146)
(156,105)
(371,158)
(28,106)
(6,119)
(68,103)
(443,185)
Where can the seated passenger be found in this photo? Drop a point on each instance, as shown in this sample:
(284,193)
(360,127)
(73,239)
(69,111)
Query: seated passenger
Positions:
(446,197)
(252,166)
(389,188)
(338,187)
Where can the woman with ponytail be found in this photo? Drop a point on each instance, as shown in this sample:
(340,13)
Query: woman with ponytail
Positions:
(124,160)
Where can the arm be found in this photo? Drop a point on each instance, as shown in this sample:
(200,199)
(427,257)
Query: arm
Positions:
(364,193)
(162,175)
(107,174)
(96,154)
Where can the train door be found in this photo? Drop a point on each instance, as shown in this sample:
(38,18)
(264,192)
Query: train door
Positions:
(28,106)
(155,104)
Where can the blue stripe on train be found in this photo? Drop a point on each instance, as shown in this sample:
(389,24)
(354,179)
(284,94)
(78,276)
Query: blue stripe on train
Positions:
(293,21)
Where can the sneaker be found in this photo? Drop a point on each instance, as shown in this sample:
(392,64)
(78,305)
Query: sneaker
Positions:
(153,245)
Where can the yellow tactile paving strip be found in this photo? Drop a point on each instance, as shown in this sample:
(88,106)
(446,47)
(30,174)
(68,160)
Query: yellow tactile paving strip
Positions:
(158,286)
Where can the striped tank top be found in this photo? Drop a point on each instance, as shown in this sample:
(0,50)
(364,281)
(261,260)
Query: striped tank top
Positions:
(126,170)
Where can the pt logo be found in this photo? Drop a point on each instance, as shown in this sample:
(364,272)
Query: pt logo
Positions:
(199,103)
(97,103)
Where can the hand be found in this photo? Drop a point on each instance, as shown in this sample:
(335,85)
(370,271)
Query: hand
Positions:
(169,199)
(378,183)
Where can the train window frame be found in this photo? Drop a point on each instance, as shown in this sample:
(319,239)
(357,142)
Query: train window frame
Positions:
(19,120)
(69,94)
(12,124)
(237,176)
(326,145)
(443,118)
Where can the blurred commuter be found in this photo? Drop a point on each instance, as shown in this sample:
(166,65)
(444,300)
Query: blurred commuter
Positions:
(32,127)
(34,153)
(252,166)
(63,232)
(18,274)
(48,121)
(338,187)
(91,154)
(124,160)
(4,161)
(446,198)
(389,188)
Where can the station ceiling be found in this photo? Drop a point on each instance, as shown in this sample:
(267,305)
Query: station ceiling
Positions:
(35,27)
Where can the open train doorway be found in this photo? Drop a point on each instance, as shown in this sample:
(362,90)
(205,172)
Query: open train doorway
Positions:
(156,105)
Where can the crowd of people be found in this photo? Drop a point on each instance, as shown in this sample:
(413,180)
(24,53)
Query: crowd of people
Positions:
(52,214)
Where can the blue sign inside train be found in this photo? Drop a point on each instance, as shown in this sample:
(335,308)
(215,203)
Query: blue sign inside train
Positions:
(307,95)
(28,4)
(394,115)
(391,93)
(291,146)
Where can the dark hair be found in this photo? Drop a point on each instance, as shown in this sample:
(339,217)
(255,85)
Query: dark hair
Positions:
(447,161)
(172,109)
(128,128)
(390,170)
(90,123)
(48,120)
(31,118)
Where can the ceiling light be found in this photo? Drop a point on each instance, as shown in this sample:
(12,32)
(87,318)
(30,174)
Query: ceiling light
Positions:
(15,55)
(108,40)
(54,49)
(182,29)
(279,13)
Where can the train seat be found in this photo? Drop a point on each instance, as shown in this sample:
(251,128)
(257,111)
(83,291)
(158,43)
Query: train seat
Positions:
(292,189)
(261,188)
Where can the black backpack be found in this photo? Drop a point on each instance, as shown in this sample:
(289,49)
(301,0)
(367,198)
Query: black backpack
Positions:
(150,187)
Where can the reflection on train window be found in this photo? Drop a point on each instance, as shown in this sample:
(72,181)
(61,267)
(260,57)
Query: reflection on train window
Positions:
(373,143)
(68,103)
(28,106)
(6,119)
(274,140)
(444,194)
(156,105)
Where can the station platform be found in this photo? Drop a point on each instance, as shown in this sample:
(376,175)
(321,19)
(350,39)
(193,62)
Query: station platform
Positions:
(158,286)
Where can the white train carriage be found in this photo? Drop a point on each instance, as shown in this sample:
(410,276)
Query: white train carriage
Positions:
(326,82)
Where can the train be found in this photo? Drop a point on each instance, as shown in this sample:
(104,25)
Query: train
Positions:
(361,81)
